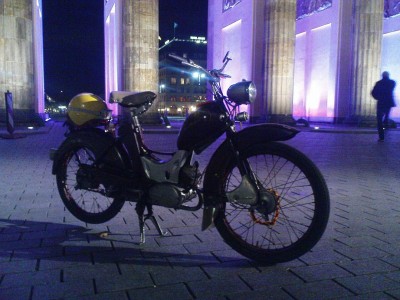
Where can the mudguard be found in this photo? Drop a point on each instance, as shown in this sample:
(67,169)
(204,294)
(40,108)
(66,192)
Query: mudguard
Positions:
(114,152)
(224,155)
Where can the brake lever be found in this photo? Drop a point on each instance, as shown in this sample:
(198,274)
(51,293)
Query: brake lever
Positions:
(222,75)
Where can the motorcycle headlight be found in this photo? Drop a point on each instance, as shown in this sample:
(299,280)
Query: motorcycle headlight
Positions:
(243,92)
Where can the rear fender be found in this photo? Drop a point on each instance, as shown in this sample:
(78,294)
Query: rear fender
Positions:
(114,152)
(224,157)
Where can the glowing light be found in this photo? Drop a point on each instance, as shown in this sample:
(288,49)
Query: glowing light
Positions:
(322,27)
(30,127)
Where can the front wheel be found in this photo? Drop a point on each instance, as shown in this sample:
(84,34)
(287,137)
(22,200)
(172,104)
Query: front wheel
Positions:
(85,197)
(301,210)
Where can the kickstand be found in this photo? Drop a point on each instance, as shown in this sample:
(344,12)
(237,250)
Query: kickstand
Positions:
(140,207)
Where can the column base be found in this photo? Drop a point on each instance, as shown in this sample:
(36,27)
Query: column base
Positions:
(24,117)
(281,119)
(152,118)
(361,121)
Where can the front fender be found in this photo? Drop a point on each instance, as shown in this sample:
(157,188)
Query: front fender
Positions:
(224,157)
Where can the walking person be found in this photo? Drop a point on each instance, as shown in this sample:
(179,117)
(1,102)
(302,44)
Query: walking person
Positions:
(383,93)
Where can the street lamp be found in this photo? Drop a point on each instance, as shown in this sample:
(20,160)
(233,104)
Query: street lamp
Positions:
(198,75)
(162,97)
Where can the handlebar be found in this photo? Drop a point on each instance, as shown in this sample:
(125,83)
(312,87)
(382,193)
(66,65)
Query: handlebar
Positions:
(215,73)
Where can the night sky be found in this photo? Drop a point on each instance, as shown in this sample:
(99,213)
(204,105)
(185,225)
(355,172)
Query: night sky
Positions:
(73,38)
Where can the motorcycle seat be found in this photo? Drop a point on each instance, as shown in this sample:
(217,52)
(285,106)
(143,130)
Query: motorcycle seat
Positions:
(132,99)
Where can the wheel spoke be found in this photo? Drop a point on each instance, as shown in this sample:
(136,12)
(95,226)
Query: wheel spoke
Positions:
(296,209)
(84,197)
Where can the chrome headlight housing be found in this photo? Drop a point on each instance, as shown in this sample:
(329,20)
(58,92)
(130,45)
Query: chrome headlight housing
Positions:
(243,92)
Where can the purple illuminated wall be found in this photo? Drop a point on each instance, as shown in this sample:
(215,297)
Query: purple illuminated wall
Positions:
(231,30)
(390,56)
(323,52)
(38,56)
(113,48)
(316,64)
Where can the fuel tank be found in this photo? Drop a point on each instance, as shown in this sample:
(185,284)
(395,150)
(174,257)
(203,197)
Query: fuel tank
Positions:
(202,127)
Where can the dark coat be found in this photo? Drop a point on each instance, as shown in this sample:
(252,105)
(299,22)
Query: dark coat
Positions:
(383,92)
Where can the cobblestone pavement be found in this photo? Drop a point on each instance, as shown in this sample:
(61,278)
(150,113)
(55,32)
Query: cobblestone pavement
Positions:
(45,253)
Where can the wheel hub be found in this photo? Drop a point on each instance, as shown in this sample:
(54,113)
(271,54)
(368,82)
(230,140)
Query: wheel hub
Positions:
(85,179)
(269,204)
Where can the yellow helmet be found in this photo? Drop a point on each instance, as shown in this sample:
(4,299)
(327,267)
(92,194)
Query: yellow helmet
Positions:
(86,107)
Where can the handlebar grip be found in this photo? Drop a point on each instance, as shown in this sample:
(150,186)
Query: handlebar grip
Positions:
(181,59)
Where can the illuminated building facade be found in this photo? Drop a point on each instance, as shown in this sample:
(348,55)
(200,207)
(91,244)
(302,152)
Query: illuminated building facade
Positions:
(131,46)
(21,56)
(312,59)
(181,89)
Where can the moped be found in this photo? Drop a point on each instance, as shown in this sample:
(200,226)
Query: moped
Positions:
(266,199)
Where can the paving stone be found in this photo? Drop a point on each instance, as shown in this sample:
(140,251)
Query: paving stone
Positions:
(145,267)
(367,266)
(16,293)
(177,239)
(371,296)
(368,283)
(177,291)
(192,260)
(320,272)
(64,262)
(14,245)
(228,255)
(328,255)
(355,253)
(326,289)
(103,296)
(63,290)
(273,277)
(394,293)
(196,248)
(394,275)
(106,284)
(178,275)
(217,287)
(164,251)
(272,293)
(18,266)
(226,269)
(89,272)
(47,277)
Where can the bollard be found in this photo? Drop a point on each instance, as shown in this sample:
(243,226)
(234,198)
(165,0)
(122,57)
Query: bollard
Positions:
(10,119)
(9,112)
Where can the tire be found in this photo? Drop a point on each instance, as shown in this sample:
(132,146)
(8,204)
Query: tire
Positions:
(300,218)
(88,204)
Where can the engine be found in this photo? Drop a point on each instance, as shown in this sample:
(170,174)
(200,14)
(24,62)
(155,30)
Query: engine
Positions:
(169,195)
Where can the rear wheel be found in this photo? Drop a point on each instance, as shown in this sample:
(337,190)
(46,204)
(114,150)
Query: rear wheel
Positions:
(85,197)
(301,205)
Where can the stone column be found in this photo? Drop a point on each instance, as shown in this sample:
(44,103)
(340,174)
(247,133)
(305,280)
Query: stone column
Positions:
(16,54)
(280,37)
(368,31)
(140,46)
